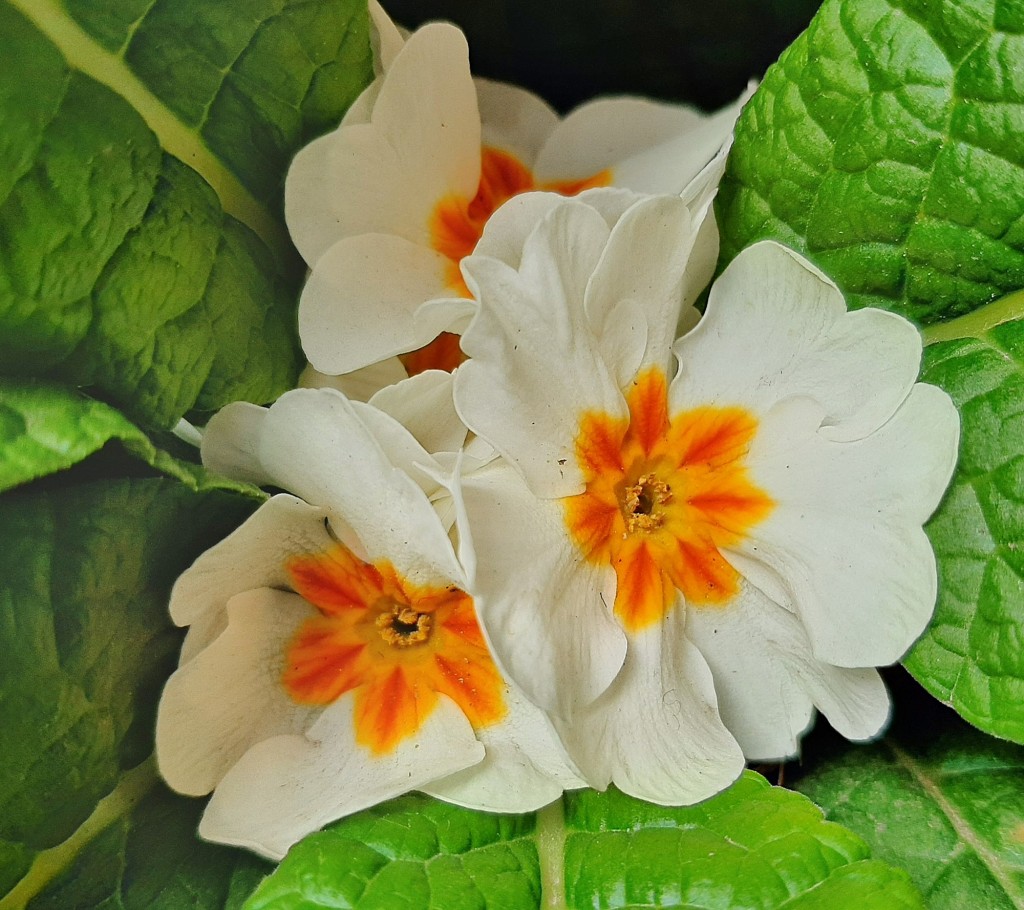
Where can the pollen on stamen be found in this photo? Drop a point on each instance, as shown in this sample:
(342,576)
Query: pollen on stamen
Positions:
(403,627)
(640,501)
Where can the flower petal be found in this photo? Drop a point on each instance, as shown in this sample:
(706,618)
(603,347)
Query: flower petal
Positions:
(422,144)
(768,682)
(650,146)
(289,786)
(253,556)
(360,302)
(424,405)
(359,385)
(513,119)
(534,366)
(844,541)
(229,443)
(776,327)
(543,609)
(230,696)
(524,768)
(386,38)
(656,733)
(315,444)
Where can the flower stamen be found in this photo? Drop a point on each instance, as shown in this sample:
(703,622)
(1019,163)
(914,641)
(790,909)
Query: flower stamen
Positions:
(403,627)
(641,501)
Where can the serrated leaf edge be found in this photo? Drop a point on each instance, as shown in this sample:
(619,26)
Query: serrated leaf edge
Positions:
(959,824)
(85,55)
(51,863)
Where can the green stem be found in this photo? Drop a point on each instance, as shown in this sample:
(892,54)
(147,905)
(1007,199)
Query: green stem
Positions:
(977,323)
(184,143)
(51,863)
(551,855)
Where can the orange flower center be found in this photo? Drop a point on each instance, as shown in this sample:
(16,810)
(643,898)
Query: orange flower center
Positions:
(662,497)
(397,645)
(457,223)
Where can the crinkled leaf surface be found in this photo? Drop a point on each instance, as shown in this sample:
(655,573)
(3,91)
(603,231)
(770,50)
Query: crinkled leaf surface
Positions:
(753,846)
(949,811)
(139,257)
(972,655)
(86,645)
(888,145)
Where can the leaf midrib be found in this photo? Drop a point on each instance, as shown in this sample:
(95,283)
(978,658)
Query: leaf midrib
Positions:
(51,863)
(86,56)
(960,825)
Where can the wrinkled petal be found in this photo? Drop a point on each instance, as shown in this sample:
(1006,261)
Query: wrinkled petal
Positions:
(656,733)
(230,696)
(534,364)
(253,556)
(291,785)
(843,546)
(524,768)
(543,609)
(425,406)
(775,327)
(359,304)
(230,441)
(513,119)
(359,385)
(315,444)
(768,683)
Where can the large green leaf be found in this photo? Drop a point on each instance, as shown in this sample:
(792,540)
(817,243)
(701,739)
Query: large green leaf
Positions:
(86,645)
(888,145)
(972,655)
(751,847)
(949,811)
(133,260)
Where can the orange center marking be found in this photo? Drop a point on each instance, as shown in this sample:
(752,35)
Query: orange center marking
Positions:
(398,645)
(663,497)
(458,222)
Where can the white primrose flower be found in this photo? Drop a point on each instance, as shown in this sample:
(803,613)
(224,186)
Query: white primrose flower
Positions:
(334,658)
(384,208)
(693,544)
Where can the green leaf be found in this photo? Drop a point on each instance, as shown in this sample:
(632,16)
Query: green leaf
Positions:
(972,655)
(887,144)
(753,846)
(950,812)
(87,645)
(123,268)
(46,427)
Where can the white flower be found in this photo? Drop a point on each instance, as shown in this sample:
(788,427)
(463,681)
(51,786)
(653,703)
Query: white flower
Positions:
(680,558)
(334,659)
(384,208)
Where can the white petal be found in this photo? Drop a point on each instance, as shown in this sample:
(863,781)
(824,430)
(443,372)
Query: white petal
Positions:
(845,537)
(230,696)
(421,144)
(253,556)
(315,444)
(535,366)
(424,405)
(650,146)
(504,235)
(524,768)
(776,327)
(230,442)
(359,385)
(768,682)
(289,786)
(359,304)
(656,733)
(387,39)
(542,607)
(645,261)
(513,119)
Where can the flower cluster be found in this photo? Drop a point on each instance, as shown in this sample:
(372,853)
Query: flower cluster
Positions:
(545,525)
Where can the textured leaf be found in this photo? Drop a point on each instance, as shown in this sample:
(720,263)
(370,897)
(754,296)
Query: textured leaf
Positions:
(951,813)
(86,643)
(753,846)
(124,269)
(888,145)
(972,655)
